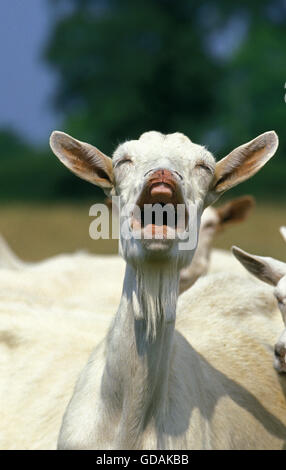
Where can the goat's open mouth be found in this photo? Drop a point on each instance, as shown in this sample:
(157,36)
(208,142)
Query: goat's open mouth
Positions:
(160,212)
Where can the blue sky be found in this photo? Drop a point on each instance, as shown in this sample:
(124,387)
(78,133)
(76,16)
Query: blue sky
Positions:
(26,83)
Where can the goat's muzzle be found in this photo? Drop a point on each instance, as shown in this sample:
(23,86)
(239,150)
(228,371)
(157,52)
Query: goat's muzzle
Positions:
(157,213)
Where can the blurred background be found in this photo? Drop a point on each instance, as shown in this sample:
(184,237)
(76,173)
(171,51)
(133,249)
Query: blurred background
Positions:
(108,70)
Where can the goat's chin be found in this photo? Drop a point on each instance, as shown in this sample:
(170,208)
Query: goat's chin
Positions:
(158,247)
(165,251)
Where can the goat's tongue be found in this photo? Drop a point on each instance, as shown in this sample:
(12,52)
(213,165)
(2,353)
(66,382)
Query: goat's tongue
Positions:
(162,192)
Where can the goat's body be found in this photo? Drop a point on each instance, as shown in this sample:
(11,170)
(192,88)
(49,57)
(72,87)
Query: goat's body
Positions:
(69,281)
(208,407)
(48,328)
(272,272)
(223,261)
(43,350)
(220,379)
(48,355)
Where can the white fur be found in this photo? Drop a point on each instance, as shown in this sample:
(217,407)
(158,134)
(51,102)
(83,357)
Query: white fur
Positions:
(273,272)
(48,351)
(219,378)
(224,261)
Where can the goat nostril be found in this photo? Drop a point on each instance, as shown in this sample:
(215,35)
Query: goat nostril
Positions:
(178,174)
(163,172)
(147,172)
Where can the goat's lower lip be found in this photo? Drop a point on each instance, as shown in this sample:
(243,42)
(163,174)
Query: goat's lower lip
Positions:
(158,231)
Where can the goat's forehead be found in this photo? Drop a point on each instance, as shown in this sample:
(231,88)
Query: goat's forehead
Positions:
(155,145)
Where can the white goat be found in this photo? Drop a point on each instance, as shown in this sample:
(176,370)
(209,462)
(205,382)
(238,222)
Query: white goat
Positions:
(145,386)
(274,273)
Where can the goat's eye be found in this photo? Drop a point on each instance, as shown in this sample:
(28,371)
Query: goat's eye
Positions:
(203,166)
(124,160)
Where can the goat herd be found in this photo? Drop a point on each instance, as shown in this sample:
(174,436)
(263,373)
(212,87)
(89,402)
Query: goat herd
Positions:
(186,355)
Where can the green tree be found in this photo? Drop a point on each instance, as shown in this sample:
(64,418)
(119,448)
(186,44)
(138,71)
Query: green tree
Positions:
(212,69)
(132,66)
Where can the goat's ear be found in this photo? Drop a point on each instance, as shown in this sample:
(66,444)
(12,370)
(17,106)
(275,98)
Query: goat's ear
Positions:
(266,269)
(83,159)
(283,232)
(236,210)
(242,163)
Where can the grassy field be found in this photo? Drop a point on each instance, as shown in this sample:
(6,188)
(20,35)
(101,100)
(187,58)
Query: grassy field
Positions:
(35,232)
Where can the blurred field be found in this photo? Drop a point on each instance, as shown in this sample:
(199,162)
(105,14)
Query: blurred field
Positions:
(35,232)
(259,234)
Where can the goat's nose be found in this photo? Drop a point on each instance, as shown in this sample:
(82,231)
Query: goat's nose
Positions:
(162,173)
(148,172)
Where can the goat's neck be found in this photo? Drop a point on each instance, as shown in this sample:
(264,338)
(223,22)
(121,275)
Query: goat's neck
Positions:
(201,257)
(200,262)
(139,344)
